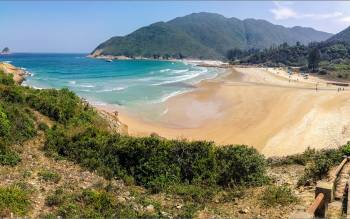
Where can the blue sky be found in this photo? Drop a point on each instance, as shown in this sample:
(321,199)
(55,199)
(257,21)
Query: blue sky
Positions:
(63,26)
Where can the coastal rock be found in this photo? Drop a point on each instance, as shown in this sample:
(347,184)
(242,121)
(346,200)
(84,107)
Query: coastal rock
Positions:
(5,51)
(18,73)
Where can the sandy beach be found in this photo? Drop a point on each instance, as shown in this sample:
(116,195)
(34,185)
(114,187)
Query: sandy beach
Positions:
(265,108)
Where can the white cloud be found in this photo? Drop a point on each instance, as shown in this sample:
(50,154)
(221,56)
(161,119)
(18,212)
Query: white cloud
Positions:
(345,19)
(283,11)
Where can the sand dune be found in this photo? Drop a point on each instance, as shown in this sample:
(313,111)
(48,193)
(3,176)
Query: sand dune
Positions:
(264,108)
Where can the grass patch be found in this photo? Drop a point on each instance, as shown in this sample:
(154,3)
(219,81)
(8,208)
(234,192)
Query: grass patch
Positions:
(49,175)
(13,199)
(9,157)
(88,203)
(278,195)
(193,193)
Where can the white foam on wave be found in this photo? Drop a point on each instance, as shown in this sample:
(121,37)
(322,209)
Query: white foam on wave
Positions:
(168,96)
(165,70)
(180,71)
(86,85)
(177,79)
(72,82)
(112,89)
(8,62)
(164,112)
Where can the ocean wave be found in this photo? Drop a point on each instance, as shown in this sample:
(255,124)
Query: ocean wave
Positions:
(112,89)
(170,95)
(165,70)
(178,79)
(38,88)
(164,112)
(86,85)
(85,90)
(72,82)
(180,71)
(8,62)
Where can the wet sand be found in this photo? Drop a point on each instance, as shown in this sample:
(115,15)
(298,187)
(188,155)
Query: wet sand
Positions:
(263,108)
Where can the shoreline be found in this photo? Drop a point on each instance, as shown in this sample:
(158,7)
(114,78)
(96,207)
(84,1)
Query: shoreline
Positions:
(197,62)
(277,113)
(258,108)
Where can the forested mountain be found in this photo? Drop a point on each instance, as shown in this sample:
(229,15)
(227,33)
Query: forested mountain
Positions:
(205,35)
(333,55)
(343,36)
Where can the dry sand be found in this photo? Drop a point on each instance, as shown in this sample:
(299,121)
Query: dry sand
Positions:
(260,107)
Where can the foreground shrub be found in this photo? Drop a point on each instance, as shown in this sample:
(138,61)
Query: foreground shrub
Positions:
(240,165)
(158,163)
(278,195)
(60,105)
(320,166)
(9,157)
(6,79)
(346,149)
(14,200)
(302,159)
(22,125)
(4,123)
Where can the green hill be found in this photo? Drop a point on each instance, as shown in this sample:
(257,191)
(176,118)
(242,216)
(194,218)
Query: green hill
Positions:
(343,36)
(205,35)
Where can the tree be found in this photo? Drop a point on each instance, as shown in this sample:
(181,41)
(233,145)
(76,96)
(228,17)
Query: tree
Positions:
(234,54)
(314,59)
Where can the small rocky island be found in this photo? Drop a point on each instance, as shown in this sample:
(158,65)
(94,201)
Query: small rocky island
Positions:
(5,51)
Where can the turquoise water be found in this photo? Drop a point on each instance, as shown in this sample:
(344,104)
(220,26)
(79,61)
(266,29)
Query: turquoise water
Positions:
(134,84)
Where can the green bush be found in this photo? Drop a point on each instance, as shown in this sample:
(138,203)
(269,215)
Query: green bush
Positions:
(240,165)
(302,159)
(278,195)
(319,167)
(4,123)
(12,94)
(42,126)
(61,105)
(189,210)
(14,200)
(8,157)
(158,163)
(49,175)
(6,79)
(346,149)
(21,124)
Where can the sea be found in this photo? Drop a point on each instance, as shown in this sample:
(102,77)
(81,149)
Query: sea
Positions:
(137,85)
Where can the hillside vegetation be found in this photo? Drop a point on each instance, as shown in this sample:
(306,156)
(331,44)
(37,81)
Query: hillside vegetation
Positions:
(49,138)
(204,36)
(329,58)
